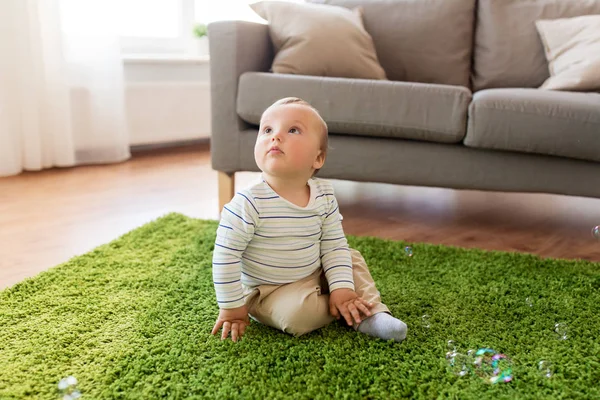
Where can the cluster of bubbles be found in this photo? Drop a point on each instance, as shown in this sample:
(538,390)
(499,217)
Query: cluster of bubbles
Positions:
(486,363)
(67,388)
(493,366)
(490,365)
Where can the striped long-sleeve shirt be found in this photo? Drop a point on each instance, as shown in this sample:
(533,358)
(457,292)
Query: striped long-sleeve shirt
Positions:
(263,239)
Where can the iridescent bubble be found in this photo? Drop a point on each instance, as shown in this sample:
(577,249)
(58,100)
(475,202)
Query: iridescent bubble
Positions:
(451,345)
(425,320)
(529,302)
(492,366)
(546,368)
(502,369)
(561,330)
(409,251)
(62,384)
(471,357)
(459,363)
(483,362)
(68,388)
(596,232)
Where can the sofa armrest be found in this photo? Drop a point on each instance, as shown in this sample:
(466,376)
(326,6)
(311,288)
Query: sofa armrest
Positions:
(235,47)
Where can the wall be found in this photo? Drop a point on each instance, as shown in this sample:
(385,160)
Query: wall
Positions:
(168,100)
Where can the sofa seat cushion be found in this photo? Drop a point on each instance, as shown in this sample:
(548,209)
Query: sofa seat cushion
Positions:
(428,112)
(554,123)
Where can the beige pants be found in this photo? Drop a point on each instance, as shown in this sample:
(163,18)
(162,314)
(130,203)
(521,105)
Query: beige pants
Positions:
(303,306)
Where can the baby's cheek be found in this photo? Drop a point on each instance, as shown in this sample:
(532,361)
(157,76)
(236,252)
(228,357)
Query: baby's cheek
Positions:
(303,159)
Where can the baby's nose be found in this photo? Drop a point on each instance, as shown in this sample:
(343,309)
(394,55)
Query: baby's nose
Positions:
(277,135)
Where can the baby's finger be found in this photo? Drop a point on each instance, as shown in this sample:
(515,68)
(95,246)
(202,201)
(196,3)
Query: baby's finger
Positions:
(243,328)
(366,303)
(226,329)
(354,312)
(346,315)
(234,331)
(362,308)
(217,326)
(334,311)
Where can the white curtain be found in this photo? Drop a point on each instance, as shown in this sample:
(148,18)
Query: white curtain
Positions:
(61,90)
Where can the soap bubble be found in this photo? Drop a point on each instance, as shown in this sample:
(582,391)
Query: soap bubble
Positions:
(459,363)
(68,388)
(546,368)
(492,366)
(596,232)
(529,302)
(451,347)
(409,251)
(471,356)
(425,320)
(502,369)
(561,330)
(483,362)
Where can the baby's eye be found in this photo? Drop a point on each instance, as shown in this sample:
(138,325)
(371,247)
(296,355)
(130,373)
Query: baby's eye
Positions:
(267,130)
(294,131)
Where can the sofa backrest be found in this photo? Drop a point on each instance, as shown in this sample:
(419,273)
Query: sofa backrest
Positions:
(420,40)
(508,51)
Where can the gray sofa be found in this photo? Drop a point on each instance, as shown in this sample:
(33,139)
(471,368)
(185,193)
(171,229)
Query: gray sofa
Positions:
(461,108)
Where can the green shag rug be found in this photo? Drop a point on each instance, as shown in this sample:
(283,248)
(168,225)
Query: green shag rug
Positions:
(132,319)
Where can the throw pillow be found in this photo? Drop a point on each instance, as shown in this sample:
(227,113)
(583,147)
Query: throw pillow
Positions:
(572,47)
(320,40)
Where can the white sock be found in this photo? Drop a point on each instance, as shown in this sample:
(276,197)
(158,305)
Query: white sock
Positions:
(384,326)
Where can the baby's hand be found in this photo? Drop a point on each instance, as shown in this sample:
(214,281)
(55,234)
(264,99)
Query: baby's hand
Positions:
(234,320)
(347,302)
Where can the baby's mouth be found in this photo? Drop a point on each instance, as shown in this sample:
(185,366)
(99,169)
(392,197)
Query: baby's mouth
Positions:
(275,150)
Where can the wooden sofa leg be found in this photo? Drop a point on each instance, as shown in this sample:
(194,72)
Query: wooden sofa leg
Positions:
(226,188)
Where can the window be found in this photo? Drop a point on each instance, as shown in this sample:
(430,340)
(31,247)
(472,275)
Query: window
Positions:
(156,26)
(151,26)
(207,11)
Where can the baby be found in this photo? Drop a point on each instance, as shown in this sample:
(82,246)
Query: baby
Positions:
(281,256)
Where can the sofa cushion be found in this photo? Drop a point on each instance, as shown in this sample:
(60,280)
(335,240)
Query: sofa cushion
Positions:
(572,47)
(420,111)
(427,41)
(508,50)
(311,39)
(554,123)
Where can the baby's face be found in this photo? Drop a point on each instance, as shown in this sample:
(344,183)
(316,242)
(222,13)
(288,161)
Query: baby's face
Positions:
(289,141)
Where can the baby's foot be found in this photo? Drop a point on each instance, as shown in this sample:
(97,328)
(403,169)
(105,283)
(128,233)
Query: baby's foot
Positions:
(384,326)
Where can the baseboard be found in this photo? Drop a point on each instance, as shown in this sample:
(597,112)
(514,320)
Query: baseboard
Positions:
(144,148)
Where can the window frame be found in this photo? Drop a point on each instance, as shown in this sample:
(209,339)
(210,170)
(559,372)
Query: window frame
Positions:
(182,44)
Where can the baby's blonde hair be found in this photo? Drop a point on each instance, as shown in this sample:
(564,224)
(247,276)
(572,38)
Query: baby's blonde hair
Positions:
(324,130)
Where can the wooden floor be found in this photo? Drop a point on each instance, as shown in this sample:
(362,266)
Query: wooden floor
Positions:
(50,216)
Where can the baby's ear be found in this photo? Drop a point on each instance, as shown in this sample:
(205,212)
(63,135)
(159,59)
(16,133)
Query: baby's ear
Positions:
(320,160)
